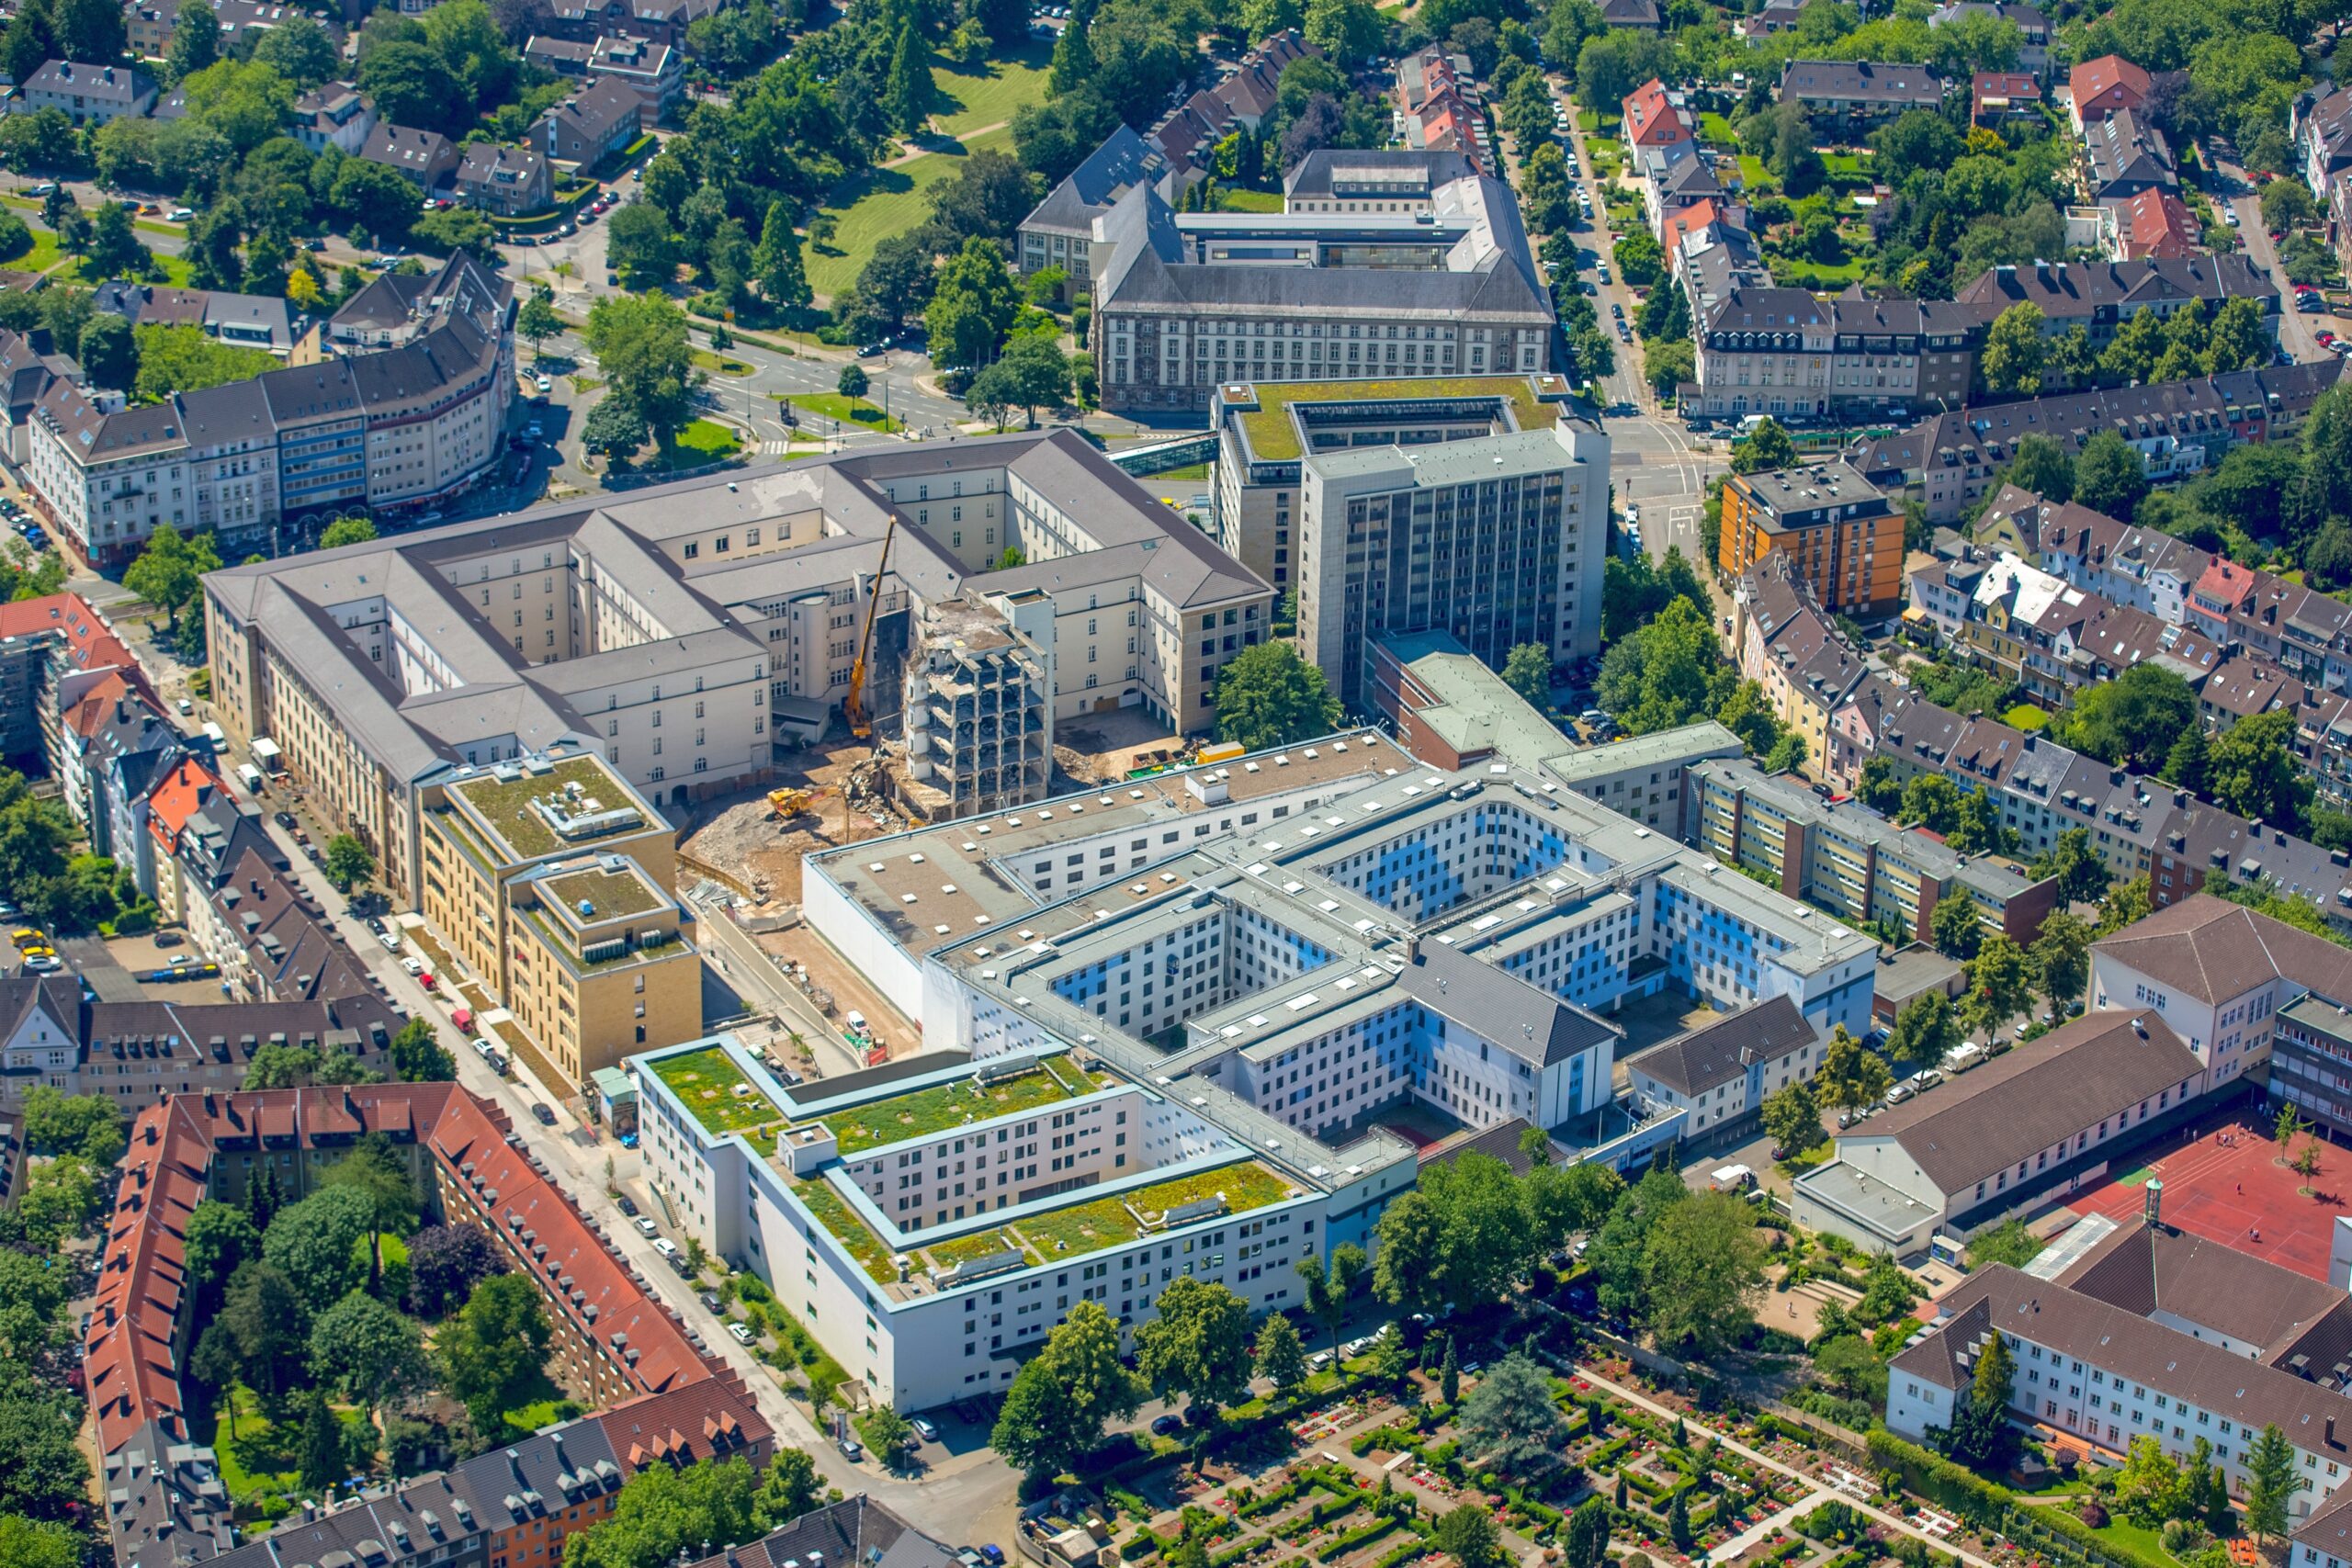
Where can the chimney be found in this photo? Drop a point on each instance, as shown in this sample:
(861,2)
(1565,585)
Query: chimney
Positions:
(2155,1205)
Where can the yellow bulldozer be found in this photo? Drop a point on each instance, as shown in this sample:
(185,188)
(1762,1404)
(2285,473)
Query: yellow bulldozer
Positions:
(788,804)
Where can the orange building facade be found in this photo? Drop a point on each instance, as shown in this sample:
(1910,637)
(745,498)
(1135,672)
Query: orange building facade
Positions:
(1843,534)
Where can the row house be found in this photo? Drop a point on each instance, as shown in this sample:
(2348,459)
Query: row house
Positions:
(2101,295)
(2123,156)
(1784,352)
(1848,100)
(1438,107)
(1796,655)
(2179,428)
(1188,134)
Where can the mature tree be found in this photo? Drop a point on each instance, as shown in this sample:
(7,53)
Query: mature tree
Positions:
(2000,985)
(219,1238)
(2271,1482)
(1851,1076)
(348,862)
(1766,447)
(445,1264)
(1408,1269)
(1198,1346)
(2133,720)
(109,350)
(1957,927)
(789,1488)
(1326,1288)
(376,1170)
(2060,958)
(851,382)
(909,94)
(1792,1116)
(1059,1401)
(316,1244)
(2148,1488)
(1670,673)
(2110,474)
(495,1348)
(46,1476)
(613,428)
(895,283)
(1268,696)
(1528,671)
(1587,1543)
(1510,1420)
(299,50)
(348,531)
(1924,1032)
(1469,1535)
(2014,352)
(195,40)
(367,1352)
(776,264)
(324,1462)
(89,1126)
(2253,771)
(1979,1435)
(1281,1354)
(2082,876)
(169,571)
(38,1543)
(665,1512)
(639,341)
(536,321)
(641,245)
(1347,31)
(973,304)
(2039,465)
(1704,1266)
(2287,204)
(418,1056)
(2125,904)
(2189,763)
(1032,372)
(32,1299)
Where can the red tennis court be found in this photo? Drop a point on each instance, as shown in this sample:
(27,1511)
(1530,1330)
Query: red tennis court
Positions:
(2223,1182)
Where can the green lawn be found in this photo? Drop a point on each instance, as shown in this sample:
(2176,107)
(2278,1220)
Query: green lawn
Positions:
(990,94)
(1713,127)
(260,1464)
(1795,274)
(1192,471)
(708,1083)
(704,441)
(845,411)
(176,269)
(718,364)
(1754,176)
(1249,201)
(543,1404)
(1109,1222)
(879,203)
(2025,717)
(41,257)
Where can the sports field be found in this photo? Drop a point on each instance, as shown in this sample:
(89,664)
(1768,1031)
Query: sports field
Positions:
(2223,1181)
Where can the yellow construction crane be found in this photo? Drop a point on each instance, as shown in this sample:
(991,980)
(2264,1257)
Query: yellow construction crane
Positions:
(854,708)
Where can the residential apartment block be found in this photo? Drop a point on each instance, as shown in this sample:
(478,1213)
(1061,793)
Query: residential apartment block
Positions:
(1843,536)
(1850,860)
(87,95)
(1719,1074)
(1848,100)
(612,1346)
(398,401)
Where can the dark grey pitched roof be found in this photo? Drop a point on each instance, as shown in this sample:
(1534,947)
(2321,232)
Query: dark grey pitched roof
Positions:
(2036,1096)
(1499,1142)
(1862,81)
(856,1532)
(1123,161)
(1718,1053)
(1502,1007)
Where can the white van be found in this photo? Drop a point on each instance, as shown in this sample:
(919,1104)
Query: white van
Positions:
(1747,425)
(250,777)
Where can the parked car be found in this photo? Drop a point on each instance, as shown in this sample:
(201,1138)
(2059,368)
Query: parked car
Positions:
(852,1450)
(645,1223)
(626,1205)
(415,967)
(284,819)
(665,1246)
(711,1303)
(924,1429)
(546,1118)
(1165,1426)
(391,943)
(742,1331)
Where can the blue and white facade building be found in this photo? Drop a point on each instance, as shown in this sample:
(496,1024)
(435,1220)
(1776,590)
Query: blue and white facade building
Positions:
(1254,962)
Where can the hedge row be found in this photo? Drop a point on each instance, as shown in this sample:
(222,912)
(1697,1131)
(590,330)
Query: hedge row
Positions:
(2060,1523)
(1935,1476)
(1341,1545)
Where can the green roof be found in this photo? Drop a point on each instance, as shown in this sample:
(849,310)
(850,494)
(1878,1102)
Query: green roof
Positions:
(1273,439)
(1113,1221)
(706,1083)
(610,893)
(881,1122)
(506,804)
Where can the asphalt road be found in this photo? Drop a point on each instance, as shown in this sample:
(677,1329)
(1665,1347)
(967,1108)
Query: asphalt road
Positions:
(2295,330)
(961,1492)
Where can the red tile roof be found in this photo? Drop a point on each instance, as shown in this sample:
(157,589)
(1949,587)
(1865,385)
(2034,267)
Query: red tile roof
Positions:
(178,795)
(88,642)
(2108,84)
(1652,119)
(133,1379)
(2156,223)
